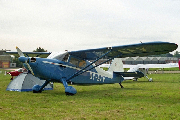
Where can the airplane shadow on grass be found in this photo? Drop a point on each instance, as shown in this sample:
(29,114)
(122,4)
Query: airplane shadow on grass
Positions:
(94,89)
(114,93)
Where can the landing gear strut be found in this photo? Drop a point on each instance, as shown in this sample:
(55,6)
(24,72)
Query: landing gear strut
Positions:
(69,90)
(121,85)
(38,89)
(149,79)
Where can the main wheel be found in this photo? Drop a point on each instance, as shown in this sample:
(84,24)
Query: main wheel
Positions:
(69,90)
(34,91)
(69,94)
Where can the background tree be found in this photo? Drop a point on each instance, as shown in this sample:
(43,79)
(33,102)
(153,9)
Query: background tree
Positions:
(39,50)
(16,60)
(176,54)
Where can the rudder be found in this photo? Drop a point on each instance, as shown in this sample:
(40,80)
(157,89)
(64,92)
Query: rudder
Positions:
(116,65)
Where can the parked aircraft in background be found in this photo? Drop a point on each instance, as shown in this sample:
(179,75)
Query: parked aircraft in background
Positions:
(16,72)
(145,67)
(75,66)
(141,67)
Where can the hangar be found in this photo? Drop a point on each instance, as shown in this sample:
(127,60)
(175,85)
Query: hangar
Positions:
(146,60)
(149,60)
(4,59)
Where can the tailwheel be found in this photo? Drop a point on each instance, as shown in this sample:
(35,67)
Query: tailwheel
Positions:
(150,79)
(121,85)
(135,79)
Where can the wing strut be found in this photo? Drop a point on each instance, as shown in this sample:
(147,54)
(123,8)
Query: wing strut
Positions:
(83,69)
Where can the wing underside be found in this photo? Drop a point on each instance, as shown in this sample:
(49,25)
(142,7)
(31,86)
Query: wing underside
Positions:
(142,49)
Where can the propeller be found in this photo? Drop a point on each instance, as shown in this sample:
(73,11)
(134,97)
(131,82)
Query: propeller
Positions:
(20,52)
(24,59)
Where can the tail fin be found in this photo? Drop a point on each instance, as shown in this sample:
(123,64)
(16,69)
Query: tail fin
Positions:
(134,69)
(116,65)
(138,68)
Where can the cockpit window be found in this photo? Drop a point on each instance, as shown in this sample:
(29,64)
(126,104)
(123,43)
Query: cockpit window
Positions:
(77,62)
(59,56)
(74,61)
(82,63)
(65,59)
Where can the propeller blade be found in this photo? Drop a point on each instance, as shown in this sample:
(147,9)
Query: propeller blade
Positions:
(29,67)
(22,56)
(19,52)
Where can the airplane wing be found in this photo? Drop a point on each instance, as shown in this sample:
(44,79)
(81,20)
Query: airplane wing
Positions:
(33,54)
(142,49)
(9,52)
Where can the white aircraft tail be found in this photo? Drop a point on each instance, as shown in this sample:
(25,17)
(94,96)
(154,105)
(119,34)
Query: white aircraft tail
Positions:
(138,68)
(116,65)
(134,69)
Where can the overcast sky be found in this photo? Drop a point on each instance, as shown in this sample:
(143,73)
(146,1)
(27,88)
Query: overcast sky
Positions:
(58,25)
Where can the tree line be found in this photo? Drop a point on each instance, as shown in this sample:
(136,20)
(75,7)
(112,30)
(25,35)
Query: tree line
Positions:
(176,54)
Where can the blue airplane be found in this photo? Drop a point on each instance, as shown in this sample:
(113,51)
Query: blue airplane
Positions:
(75,66)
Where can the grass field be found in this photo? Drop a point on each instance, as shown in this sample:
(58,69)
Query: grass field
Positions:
(138,100)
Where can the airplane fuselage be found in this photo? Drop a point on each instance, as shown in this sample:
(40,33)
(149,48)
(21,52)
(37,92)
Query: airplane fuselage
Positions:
(55,70)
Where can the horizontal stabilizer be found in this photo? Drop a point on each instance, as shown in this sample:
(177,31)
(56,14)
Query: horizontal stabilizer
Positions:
(137,74)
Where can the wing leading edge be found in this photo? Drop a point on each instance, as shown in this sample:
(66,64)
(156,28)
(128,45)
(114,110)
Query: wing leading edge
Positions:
(142,49)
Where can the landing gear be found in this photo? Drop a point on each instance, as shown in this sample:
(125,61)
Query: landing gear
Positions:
(38,89)
(69,90)
(135,79)
(149,79)
(121,85)
(69,94)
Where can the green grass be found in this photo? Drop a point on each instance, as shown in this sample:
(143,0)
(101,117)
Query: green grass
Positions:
(138,100)
(165,69)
